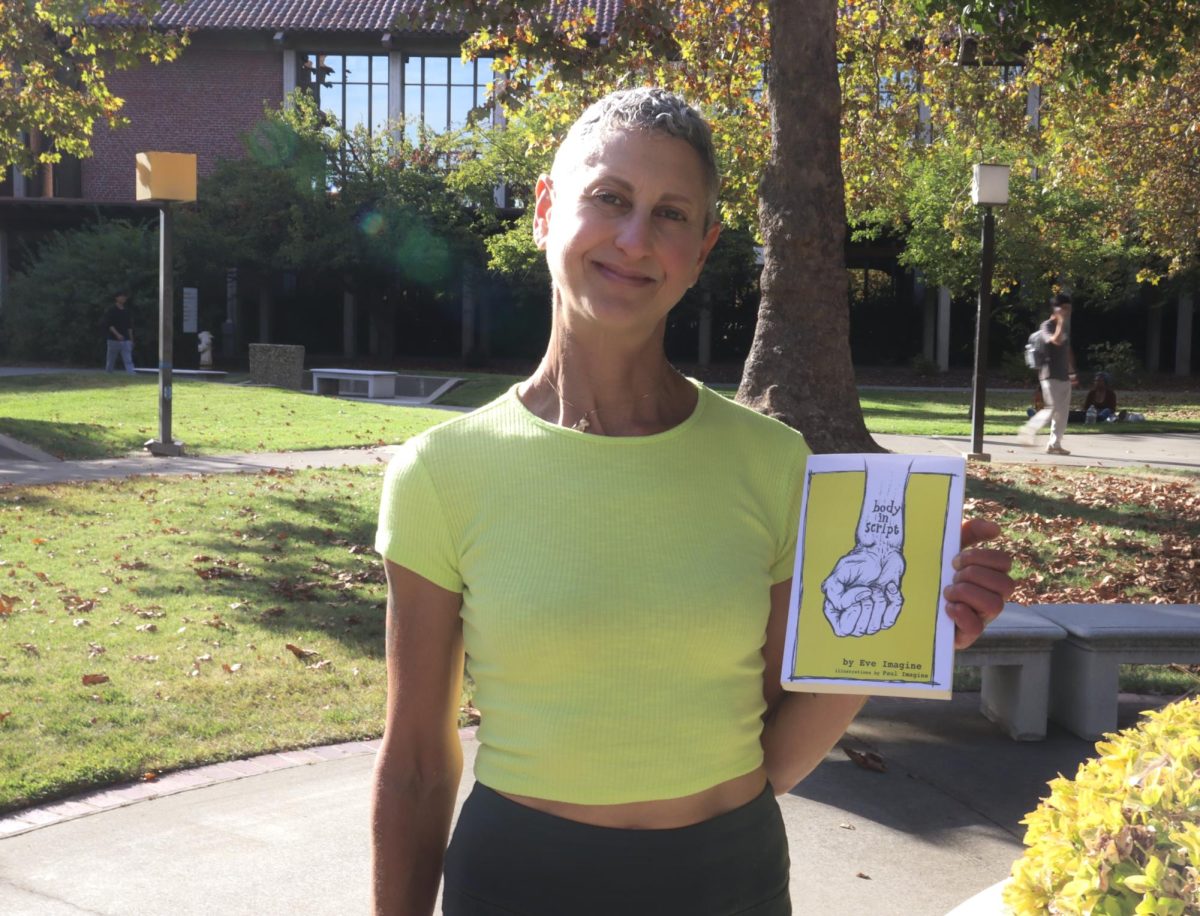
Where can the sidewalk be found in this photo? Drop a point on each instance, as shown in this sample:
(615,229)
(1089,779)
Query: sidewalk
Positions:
(939,826)
(1180,451)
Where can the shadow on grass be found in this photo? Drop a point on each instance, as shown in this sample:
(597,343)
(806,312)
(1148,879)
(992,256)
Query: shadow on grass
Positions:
(86,441)
(1147,519)
(73,381)
(290,566)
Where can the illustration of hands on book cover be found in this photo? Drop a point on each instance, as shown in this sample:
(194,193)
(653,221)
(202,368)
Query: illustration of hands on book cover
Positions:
(876,540)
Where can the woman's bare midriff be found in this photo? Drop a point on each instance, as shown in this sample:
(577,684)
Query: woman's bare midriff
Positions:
(662,814)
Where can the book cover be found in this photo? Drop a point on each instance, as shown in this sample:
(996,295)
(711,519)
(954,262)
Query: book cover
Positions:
(873,554)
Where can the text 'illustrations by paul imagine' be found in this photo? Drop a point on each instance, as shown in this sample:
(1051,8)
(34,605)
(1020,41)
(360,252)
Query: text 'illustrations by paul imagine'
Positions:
(876,538)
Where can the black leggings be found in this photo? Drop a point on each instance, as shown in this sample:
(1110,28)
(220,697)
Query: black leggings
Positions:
(509,860)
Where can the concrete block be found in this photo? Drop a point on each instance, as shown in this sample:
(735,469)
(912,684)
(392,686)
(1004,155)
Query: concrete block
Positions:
(281,365)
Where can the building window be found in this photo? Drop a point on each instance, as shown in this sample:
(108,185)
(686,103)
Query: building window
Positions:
(440,91)
(352,87)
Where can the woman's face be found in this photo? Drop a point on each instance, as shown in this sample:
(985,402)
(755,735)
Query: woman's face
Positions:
(623,228)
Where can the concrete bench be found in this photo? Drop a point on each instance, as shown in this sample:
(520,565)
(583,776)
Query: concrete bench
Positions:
(1014,653)
(357,383)
(1100,638)
(187,373)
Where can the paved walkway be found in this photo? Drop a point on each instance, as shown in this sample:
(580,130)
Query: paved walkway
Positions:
(289,831)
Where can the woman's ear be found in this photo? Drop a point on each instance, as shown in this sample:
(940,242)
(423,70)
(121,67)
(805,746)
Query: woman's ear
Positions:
(543,203)
(710,239)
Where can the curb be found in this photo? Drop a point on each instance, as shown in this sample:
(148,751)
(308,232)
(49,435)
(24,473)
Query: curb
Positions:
(109,798)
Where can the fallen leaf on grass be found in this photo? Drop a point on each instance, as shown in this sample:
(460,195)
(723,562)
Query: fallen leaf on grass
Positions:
(90,679)
(8,603)
(95,649)
(136,564)
(300,653)
(30,649)
(323,663)
(147,628)
(4,715)
(81,622)
(273,612)
(231,669)
(868,760)
(143,658)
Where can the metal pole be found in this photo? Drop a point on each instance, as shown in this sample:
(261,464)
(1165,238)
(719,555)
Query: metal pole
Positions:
(982,320)
(165,445)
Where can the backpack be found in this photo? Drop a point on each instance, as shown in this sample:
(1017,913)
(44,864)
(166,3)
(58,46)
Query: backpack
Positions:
(1036,354)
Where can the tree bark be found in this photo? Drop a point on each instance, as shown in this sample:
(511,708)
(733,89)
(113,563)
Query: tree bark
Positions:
(799,369)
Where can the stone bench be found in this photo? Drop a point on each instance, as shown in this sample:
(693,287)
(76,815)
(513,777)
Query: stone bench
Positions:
(1102,637)
(187,373)
(1015,653)
(355,383)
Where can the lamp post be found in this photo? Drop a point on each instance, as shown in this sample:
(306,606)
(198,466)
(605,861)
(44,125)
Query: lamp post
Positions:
(989,188)
(165,178)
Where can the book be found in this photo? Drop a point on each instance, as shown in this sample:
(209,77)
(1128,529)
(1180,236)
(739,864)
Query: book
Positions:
(873,554)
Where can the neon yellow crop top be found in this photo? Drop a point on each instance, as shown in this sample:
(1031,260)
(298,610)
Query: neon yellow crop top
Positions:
(615,590)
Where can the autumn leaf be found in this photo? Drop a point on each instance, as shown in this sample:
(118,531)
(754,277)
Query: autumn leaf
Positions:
(149,776)
(273,612)
(300,653)
(231,669)
(322,664)
(8,603)
(4,715)
(30,649)
(868,760)
(92,679)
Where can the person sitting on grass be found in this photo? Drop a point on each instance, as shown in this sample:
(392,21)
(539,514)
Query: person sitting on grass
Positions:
(1102,397)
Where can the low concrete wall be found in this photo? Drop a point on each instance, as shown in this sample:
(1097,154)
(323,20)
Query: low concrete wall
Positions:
(281,365)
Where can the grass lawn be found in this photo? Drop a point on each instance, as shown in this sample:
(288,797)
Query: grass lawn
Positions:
(186,594)
(87,416)
(95,415)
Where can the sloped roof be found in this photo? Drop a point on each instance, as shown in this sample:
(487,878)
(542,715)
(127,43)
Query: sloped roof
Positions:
(333,15)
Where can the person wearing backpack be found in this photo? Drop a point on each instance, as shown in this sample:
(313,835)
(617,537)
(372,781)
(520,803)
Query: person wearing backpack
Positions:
(1056,374)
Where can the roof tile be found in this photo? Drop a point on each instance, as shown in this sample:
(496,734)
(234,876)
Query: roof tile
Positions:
(333,15)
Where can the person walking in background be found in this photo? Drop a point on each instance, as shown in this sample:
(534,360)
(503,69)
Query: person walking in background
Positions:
(1056,375)
(118,333)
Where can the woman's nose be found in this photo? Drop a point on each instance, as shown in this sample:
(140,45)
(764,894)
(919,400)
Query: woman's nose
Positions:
(633,235)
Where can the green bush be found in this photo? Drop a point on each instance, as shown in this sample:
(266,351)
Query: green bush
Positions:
(1122,837)
(58,303)
(1117,359)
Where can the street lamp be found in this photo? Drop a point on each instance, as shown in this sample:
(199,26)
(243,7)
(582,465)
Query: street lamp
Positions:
(165,178)
(989,188)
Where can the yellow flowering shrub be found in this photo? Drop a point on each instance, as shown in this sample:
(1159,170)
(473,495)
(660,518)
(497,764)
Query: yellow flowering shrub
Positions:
(1122,837)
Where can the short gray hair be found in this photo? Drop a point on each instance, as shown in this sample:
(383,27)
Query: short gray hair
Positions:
(654,110)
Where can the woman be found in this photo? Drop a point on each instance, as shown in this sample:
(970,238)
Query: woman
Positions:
(612,544)
(1102,397)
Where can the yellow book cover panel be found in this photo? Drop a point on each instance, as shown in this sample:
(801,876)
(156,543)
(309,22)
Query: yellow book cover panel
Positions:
(877,537)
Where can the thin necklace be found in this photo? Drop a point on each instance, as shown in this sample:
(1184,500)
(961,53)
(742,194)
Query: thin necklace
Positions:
(583,423)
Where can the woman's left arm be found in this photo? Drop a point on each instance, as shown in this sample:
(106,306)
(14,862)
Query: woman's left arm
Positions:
(801,728)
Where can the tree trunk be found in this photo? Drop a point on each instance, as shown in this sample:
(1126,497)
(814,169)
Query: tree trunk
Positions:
(799,368)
